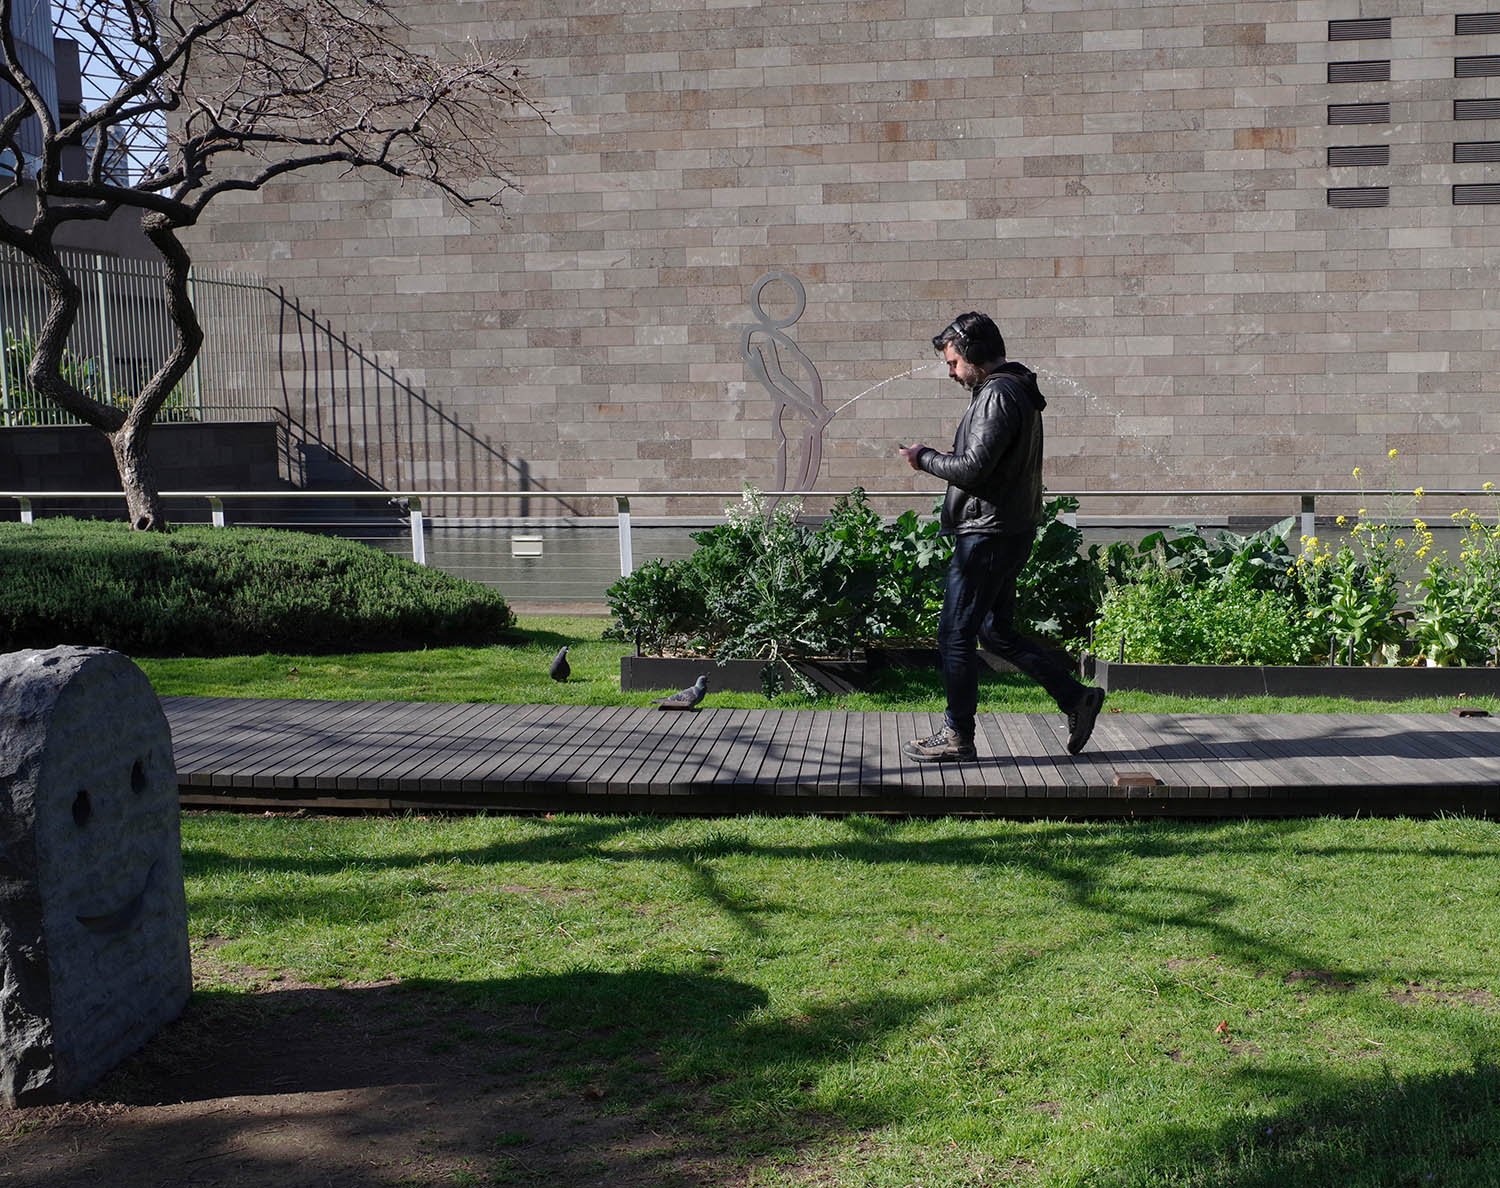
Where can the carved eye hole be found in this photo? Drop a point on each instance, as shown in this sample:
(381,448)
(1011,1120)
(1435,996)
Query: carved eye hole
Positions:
(138,777)
(83,808)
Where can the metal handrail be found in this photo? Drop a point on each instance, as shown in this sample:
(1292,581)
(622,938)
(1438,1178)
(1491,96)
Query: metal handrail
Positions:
(411,501)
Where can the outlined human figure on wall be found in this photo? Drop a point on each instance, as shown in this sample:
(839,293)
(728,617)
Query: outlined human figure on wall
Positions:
(793,382)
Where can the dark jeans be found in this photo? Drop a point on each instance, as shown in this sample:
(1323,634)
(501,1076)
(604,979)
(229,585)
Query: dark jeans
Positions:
(980,603)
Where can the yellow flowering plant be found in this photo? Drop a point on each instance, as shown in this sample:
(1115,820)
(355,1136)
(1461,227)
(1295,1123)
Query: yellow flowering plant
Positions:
(1456,602)
(1353,593)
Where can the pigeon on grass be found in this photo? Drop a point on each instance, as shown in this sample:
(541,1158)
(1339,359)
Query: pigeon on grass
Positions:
(685,699)
(561,669)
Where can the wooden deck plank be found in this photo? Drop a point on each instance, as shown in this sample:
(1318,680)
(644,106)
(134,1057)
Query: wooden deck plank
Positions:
(600,752)
(1061,774)
(815,744)
(475,741)
(1225,741)
(1230,772)
(735,747)
(544,771)
(420,748)
(369,754)
(689,742)
(701,775)
(1018,768)
(1346,736)
(1157,755)
(633,748)
(197,725)
(849,765)
(1466,740)
(494,758)
(302,745)
(1096,766)
(242,738)
(799,751)
(683,749)
(1288,756)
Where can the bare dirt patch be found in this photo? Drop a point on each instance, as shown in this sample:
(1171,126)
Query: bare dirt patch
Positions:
(275,1082)
(1416,992)
(1318,979)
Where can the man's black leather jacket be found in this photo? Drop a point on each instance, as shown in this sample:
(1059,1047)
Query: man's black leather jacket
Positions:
(994,473)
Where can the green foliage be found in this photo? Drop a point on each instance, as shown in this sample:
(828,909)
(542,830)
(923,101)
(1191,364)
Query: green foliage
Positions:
(1456,602)
(1260,561)
(1353,602)
(25,406)
(1166,617)
(203,591)
(765,585)
(1059,591)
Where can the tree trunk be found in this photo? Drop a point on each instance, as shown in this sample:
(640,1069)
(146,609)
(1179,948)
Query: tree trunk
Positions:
(137,477)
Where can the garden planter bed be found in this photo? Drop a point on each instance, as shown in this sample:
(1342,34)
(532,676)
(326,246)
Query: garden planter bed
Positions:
(743,676)
(733,676)
(1248,680)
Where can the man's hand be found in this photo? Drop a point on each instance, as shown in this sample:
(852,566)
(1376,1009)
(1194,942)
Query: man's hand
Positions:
(910,453)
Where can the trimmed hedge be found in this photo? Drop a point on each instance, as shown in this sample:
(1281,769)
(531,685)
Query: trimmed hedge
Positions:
(198,591)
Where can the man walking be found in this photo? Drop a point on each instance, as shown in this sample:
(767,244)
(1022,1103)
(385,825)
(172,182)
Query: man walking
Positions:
(992,507)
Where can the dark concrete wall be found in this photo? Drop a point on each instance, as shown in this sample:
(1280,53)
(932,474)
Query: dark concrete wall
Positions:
(221,456)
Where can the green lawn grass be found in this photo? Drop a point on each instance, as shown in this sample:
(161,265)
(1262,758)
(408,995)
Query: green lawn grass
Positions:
(516,671)
(864,1002)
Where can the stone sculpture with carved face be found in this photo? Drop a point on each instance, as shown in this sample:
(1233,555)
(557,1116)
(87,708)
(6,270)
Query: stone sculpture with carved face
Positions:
(93,920)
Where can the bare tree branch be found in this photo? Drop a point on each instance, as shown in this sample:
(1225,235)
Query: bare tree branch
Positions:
(233,94)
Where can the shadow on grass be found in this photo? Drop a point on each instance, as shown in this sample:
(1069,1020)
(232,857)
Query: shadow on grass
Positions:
(1080,862)
(654,1078)
(1439,1130)
(635,1078)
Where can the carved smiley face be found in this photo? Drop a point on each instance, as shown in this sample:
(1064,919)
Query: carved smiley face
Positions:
(90,845)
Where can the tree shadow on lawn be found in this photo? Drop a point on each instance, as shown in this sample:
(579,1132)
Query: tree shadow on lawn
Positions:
(1079,861)
(636,1078)
(1437,1130)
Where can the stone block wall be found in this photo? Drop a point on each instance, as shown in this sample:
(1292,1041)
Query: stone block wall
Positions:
(1237,240)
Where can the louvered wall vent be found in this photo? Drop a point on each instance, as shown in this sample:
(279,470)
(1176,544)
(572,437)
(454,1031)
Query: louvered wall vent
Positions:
(1359,154)
(1479,66)
(1476,150)
(1359,113)
(1476,109)
(1360,196)
(1483,194)
(1360,30)
(1476,22)
(1350,72)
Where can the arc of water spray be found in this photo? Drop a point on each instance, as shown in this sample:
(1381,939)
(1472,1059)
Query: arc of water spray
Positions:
(881,384)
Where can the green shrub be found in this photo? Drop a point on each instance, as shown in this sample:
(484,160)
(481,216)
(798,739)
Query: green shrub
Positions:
(1166,617)
(205,591)
(1058,593)
(765,585)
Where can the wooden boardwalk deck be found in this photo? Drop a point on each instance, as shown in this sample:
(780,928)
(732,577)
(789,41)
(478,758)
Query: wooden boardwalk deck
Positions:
(528,758)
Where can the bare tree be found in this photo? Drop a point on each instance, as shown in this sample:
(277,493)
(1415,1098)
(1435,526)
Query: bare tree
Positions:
(242,92)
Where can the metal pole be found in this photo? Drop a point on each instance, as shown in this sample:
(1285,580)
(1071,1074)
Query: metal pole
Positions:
(25,509)
(192,289)
(418,544)
(627,559)
(216,510)
(108,396)
(1309,515)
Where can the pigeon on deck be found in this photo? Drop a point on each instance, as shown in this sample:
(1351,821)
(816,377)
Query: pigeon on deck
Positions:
(687,698)
(561,669)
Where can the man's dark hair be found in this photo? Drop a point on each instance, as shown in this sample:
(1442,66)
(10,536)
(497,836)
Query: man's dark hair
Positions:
(976,338)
